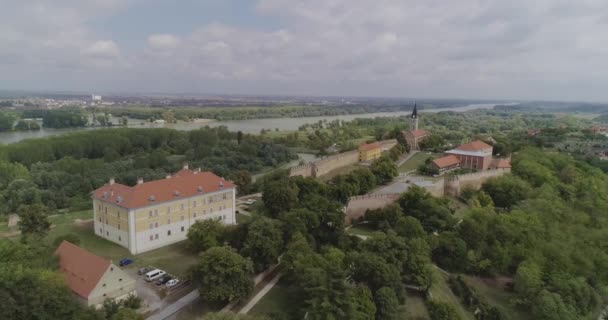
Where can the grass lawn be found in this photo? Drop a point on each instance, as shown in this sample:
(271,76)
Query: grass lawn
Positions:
(362,230)
(414,308)
(174,258)
(441,292)
(415,161)
(497,297)
(282,298)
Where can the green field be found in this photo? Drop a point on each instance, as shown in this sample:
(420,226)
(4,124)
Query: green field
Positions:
(416,160)
(174,259)
(414,308)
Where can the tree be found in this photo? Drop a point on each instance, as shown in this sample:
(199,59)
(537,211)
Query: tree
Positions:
(409,228)
(70,237)
(239,137)
(263,243)
(34,220)
(442,311)
(384,169)
(127,314)
(550,306)
(243,181)
(279,196)
(507,190)
(204,234)
(231,316)
(387,304)
(528,281)
(223,275)
(451,252)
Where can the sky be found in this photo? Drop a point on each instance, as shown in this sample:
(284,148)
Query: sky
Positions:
(486,49)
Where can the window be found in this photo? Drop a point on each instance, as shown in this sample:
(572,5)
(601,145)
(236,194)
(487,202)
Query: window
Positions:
(224,196)
(105,210)
(119,280)
(168,232)
(150,214)
(119,238)
(211,199)
(100,231)
(156,236)
(118,215)
(182,218)
(151,237)
(119,226)
(169,221)
(106,221)
(155,224)
(182,229)
(108,233)
(211,210)
(168,210)
(99,219)
(104,285)
(104,294)
(99,208)
(151,226)
(181,206)
(194,204)
(155,212)
(111,269)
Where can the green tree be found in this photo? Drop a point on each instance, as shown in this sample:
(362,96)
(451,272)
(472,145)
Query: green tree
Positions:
(231,316)
(442,311)
(387,304)
(528,281)
(223,275)
(279,196)
(550,306)
(384,169)
(507,190)
(263,243)
(205,234)
(126,314)
(33,220)
(243,181)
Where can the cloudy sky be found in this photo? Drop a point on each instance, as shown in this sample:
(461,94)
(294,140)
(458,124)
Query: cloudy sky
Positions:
(516,49)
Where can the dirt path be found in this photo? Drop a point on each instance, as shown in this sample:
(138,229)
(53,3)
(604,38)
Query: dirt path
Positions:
(261,294)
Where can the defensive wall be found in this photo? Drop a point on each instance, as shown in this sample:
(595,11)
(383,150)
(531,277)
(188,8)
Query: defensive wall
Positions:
(325,165)
(453,185)
(358,205)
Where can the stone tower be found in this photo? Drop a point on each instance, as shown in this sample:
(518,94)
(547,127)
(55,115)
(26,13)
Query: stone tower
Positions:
(414,117)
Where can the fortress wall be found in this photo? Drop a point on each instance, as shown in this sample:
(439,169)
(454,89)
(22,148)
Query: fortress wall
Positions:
(304,170)
(454,185)
(340,160)
(357,206)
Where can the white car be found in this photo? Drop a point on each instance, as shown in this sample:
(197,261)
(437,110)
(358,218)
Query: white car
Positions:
(154,274)
(172,283)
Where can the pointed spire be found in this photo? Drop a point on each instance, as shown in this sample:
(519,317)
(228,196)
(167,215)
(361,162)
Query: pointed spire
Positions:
(415,111)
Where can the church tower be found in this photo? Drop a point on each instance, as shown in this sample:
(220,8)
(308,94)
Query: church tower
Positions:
(414,117)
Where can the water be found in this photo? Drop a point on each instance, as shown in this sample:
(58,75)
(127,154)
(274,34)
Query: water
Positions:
(246,126)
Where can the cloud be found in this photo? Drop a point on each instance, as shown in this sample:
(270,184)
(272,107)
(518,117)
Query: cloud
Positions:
(103,49)
(163,41)
(434,48)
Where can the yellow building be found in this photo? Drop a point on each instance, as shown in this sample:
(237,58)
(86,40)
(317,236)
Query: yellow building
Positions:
(370,151)
(154,214)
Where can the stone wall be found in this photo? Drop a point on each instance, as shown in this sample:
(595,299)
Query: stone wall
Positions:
(453,185)
(358,205)
(325,165)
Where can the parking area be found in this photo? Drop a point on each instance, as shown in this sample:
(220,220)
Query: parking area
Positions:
(155,295)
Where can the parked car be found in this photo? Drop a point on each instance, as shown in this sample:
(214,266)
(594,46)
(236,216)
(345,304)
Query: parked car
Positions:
(164,279)
(125,262)
(154,274)
(143,271)
(172,283)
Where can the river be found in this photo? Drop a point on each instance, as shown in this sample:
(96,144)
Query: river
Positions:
(246,126)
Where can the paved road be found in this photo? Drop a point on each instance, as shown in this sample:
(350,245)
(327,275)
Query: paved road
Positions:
(261,293)
(176,306)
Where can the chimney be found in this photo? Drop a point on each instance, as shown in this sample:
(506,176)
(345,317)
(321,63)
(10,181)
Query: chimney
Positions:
(185,166)
(112,181)
(140,180)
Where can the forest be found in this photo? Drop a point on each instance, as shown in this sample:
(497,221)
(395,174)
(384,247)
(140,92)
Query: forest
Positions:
(60,172)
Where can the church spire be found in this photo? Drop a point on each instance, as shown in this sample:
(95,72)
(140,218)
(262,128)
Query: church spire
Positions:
(415,112)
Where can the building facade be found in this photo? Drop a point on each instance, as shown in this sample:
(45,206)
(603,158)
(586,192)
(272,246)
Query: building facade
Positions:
(370,151)
(154,214)
(91,278)
(476,155)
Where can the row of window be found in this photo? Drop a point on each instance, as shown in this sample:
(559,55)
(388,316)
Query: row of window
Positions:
(154,213)
(182,229)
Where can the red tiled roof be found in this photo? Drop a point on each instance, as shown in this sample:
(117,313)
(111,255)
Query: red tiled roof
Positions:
(446,161)
(81,269)
(369,146)
(474,146)
(419,133)
(185,183)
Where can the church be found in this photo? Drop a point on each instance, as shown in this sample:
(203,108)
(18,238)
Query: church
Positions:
(416,135)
